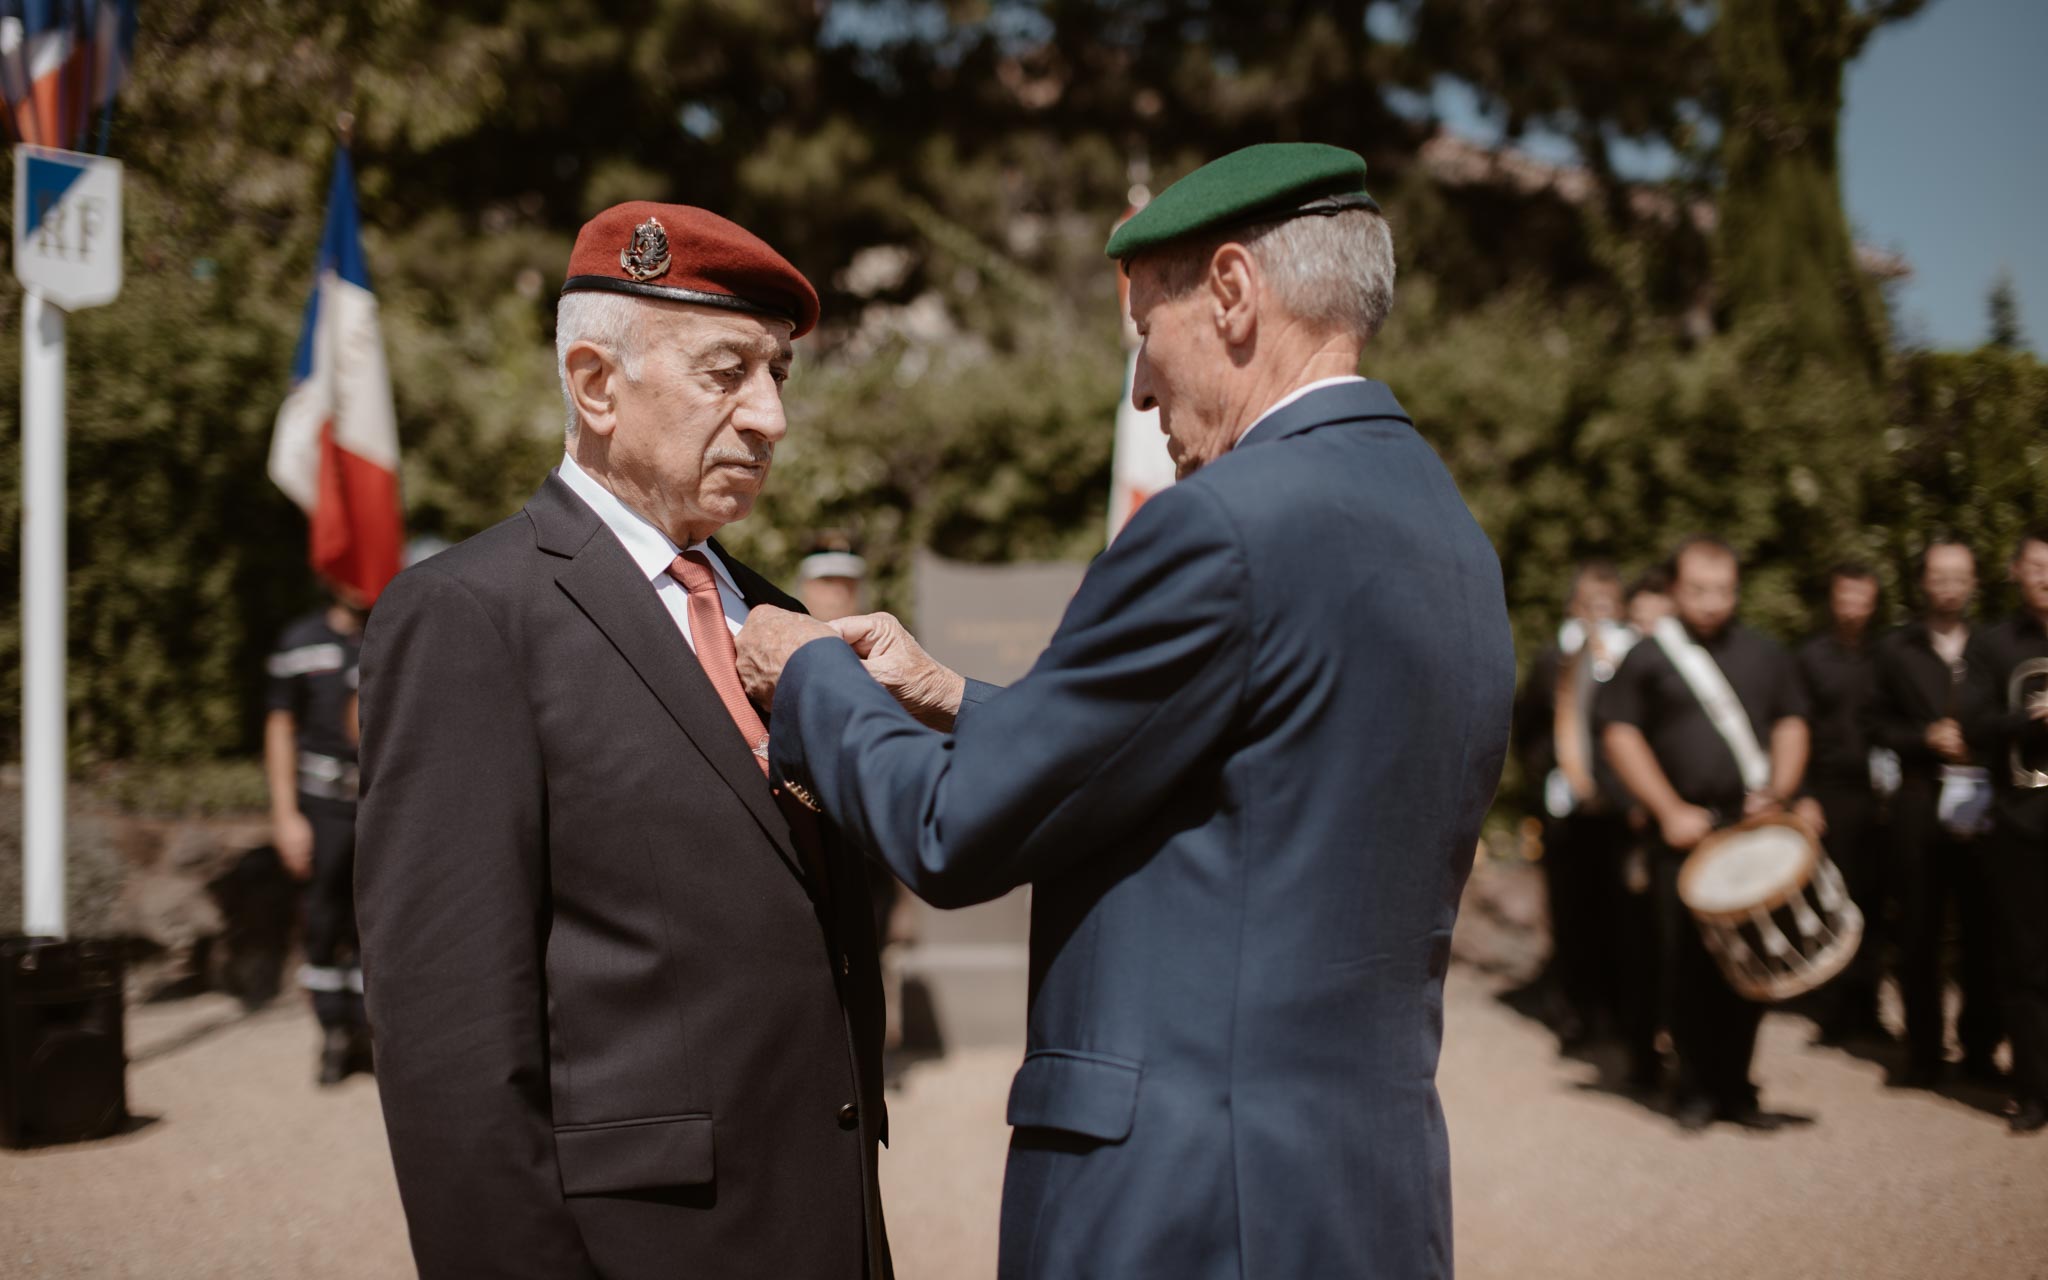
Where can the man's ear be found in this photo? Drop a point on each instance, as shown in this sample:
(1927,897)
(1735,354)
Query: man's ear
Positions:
(1233,293)
(594,375)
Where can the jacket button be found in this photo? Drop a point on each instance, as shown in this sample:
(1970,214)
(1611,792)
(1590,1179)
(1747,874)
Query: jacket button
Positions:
(849,1116)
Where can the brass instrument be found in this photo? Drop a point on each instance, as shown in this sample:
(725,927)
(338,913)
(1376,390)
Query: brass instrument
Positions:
(2028,688)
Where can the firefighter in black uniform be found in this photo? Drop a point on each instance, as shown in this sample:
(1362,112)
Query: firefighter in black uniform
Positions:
(309,758)
(2005,719)
(1938,818)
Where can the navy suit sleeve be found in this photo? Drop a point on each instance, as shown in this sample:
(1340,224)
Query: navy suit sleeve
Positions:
(451,892)
(976,694)
(1141,682)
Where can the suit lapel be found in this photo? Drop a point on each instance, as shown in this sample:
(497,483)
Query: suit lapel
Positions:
(756,590)
(605,583)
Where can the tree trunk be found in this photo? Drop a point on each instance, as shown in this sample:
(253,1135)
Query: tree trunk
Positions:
(1784,244)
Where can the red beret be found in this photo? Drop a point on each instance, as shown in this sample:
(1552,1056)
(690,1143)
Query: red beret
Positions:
(686,254)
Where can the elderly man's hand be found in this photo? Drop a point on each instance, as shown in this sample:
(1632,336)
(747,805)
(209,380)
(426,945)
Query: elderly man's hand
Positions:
(764,646)
(927,690)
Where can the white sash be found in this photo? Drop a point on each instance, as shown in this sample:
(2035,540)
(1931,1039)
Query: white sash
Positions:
(1559,800)
(1724,710)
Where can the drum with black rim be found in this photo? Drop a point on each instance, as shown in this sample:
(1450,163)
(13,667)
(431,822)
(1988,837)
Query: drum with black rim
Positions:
(1774,911)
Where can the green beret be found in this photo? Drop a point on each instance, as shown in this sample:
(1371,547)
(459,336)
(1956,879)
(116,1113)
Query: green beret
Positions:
(1267,182)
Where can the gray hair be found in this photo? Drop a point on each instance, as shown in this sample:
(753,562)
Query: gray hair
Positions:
(613,321)
(1336,270)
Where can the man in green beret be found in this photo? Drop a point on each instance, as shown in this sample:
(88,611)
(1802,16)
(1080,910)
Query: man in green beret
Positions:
(1245,780)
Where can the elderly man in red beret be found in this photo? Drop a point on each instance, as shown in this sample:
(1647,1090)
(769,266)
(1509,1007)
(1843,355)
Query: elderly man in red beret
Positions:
(624,988)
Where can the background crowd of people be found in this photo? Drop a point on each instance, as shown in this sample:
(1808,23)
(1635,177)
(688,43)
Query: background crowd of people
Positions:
(1915,754)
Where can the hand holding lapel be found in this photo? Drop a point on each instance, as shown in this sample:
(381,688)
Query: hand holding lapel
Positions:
(765,644)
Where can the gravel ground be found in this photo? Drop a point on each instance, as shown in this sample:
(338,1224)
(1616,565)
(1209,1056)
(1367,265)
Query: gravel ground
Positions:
(246,1170)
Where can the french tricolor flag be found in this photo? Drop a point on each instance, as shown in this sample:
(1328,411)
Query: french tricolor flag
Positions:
(336,448)
(61,60)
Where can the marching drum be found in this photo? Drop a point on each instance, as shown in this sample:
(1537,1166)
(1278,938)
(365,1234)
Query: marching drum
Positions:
(1773,910)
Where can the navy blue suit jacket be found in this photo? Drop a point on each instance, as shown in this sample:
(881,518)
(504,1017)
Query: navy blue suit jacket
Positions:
(1246,780)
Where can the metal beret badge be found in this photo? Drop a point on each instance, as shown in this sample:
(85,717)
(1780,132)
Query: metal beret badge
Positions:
(647,256)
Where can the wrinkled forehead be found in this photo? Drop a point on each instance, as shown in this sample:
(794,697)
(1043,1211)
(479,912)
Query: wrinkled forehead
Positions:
(699,331)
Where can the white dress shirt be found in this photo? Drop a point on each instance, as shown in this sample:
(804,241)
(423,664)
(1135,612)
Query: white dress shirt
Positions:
(1291,397)
(654,551)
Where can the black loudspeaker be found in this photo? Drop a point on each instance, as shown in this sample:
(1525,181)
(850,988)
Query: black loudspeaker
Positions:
(63,1060)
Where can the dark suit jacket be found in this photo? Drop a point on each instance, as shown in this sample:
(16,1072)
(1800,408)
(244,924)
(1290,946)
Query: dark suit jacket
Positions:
(621,1032)
(1913,686)
(1246,781)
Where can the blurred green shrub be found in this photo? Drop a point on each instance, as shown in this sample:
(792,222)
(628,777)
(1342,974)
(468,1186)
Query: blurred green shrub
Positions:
(196,789)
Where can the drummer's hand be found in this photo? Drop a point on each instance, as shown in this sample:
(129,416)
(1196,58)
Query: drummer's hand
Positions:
(1686,826)
(1808,810)
(1757,802)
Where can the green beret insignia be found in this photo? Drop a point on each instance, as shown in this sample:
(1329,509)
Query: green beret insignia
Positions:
(1267,182)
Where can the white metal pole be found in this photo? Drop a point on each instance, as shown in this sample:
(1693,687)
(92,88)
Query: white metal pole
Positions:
(42,616)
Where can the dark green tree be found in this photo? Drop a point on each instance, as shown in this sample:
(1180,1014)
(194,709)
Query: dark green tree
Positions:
(1598,73)
(2004,307)
(1785,253)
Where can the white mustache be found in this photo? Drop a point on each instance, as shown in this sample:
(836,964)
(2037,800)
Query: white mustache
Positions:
(761,459)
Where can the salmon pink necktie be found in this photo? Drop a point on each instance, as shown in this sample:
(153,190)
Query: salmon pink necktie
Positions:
(715,649)
(720,660)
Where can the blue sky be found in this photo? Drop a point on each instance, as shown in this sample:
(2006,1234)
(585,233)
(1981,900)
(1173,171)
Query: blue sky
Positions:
(1945,159)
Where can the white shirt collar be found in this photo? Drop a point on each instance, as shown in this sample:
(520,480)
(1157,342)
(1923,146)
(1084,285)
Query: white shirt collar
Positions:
(1294,395)
(652,550)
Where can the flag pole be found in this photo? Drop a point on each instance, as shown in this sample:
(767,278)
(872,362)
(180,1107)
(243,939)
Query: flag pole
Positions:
(43,702)
(1137,452)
